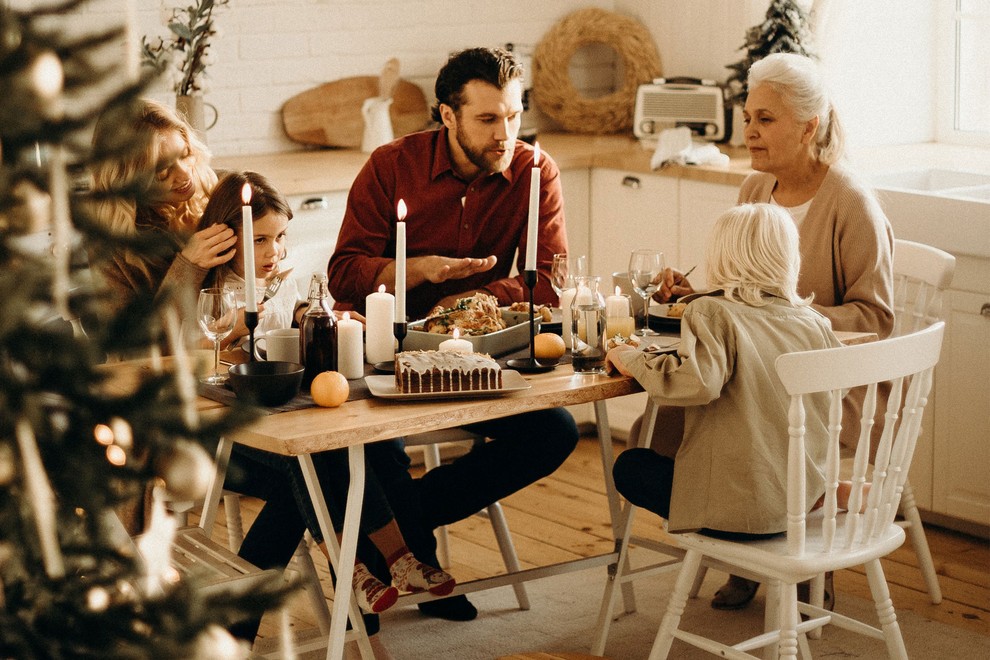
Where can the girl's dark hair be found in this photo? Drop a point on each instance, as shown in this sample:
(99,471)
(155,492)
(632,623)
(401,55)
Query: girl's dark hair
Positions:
(494,66)
(225,207)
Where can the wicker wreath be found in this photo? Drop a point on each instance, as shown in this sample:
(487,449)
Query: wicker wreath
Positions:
(552,88)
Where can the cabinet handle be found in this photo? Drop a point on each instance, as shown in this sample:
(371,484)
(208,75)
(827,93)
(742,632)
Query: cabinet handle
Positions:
(631,182)
(314,203)
(985,310)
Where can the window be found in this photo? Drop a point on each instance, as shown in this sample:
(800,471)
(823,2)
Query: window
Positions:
(964,66)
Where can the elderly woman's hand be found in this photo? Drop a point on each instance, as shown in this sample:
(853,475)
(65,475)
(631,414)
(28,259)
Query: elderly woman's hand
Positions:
(672,285)
(613,363)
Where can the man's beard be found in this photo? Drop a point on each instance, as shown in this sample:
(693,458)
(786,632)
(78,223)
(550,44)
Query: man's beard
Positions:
(481,159)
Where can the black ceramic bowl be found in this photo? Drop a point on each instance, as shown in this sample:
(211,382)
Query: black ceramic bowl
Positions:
(266,383)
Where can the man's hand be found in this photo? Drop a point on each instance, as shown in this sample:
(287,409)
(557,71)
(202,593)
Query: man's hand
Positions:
(210,247)
(438,269)
(672,285)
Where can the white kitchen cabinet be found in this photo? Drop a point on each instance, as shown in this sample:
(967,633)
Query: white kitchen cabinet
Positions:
(961,447)
(700,205)
(312,234)
(630,210)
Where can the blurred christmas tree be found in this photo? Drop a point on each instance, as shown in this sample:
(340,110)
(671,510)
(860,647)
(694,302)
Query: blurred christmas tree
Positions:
(786,29)
(74,451)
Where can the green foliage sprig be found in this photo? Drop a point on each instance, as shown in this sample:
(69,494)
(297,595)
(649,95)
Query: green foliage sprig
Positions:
(184,56)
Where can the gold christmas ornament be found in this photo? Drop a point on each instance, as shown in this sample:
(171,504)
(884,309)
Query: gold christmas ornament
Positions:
(187,471)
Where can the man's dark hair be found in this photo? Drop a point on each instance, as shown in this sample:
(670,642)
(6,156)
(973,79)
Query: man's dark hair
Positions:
(494,66)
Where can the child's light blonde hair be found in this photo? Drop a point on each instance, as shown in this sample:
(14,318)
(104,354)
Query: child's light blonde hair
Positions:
(753,253)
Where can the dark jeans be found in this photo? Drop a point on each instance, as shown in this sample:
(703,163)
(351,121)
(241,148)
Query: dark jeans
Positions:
(646,479)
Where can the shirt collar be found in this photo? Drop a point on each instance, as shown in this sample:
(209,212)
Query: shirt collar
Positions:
(442,162)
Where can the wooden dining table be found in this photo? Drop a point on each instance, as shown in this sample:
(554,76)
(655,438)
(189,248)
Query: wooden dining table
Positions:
(300,433)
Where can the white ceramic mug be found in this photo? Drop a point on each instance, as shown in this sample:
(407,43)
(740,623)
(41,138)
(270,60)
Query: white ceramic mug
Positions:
(281,345)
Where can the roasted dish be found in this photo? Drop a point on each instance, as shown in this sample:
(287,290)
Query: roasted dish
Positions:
(476,315)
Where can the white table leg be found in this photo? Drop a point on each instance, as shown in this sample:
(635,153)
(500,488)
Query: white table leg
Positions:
(342,555)
(215,489)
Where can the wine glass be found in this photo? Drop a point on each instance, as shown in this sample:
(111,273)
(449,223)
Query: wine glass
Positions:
(645,266)
(559,274)
(216,311)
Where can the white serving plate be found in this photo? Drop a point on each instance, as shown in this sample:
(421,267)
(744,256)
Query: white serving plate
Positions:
(494,343)
(659,319)
(384,387)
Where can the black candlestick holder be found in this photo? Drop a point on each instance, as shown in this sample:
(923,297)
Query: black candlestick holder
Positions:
(399,329)
(530,363)
(251,321)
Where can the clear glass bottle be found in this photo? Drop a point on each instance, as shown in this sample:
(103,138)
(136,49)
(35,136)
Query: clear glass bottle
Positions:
(588,327)
(318,332)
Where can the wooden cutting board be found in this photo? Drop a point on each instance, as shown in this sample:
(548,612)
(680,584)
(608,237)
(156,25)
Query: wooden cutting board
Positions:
(330,115)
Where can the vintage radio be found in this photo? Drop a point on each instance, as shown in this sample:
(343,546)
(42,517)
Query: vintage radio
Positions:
(672,102)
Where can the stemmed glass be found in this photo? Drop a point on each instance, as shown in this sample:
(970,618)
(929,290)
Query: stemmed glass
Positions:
(560,278)
(645,266)
(216,311)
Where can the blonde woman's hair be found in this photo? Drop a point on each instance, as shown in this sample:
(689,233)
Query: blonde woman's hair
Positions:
(753,253)
(143,132)
(799,81)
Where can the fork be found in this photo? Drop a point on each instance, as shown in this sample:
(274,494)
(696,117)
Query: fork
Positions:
(274,284)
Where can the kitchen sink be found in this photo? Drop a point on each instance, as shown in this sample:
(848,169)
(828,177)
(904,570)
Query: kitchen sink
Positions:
(930,180)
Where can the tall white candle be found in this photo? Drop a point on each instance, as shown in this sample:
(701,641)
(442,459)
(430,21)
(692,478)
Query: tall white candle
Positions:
(247,232)
(534,210)
(400,263)
(350,356)
(456,344)
(379,313)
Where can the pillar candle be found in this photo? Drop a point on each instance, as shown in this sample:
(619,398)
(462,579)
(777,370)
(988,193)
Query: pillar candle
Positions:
(534,210)
(457,344)
(350,360)
(620,325)
(247,232)
(379,312)
(566,298)
(400,263)
(617,306)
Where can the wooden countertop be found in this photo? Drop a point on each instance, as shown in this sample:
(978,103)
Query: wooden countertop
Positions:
(322,170)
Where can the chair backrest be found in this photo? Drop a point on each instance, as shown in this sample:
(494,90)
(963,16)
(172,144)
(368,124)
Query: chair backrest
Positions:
(908,361)
(921,274)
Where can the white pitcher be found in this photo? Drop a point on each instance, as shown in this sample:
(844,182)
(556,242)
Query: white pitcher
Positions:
(377,123)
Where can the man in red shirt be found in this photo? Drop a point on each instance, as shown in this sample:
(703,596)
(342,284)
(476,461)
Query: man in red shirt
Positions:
(466,188)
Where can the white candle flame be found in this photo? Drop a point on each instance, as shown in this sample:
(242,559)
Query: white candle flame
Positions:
(400,210)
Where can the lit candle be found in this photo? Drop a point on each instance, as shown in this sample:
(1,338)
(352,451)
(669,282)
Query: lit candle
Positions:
(379,313)
(400,263)
(566,298)
(350,356)
(534,210)
(457,345)
(247,230)
(617,306)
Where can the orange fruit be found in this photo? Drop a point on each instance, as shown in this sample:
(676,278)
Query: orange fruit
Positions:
(329,389)
(548,346)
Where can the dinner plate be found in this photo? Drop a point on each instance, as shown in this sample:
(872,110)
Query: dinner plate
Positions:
(659,319)
(384,388)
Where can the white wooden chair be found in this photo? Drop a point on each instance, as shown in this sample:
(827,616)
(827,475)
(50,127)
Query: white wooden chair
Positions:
(826,539)
(921,274)
(430,442)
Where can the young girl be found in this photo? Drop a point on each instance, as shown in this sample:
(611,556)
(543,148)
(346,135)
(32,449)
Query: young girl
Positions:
(729,477)
(271,215)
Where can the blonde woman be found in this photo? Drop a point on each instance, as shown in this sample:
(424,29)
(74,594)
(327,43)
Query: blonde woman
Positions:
(156,193)
(729,476)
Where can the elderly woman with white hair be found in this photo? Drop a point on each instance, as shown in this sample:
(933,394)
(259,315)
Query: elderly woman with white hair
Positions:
(796,144)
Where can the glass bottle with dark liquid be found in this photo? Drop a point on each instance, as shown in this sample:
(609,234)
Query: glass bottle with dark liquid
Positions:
(588,327)
(318,332)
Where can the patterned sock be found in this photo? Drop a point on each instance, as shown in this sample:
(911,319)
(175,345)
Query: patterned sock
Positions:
(373,595)
(410,574)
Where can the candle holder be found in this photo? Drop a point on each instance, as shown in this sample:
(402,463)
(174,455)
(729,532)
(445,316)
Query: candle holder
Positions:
(530,364)
(251,321)
(399,329)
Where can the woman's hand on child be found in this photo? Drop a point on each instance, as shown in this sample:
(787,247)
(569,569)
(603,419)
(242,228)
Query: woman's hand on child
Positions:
(672,285)
(613,362)
(210,247)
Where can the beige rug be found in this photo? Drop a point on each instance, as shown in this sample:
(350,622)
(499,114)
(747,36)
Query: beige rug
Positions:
(565,608)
